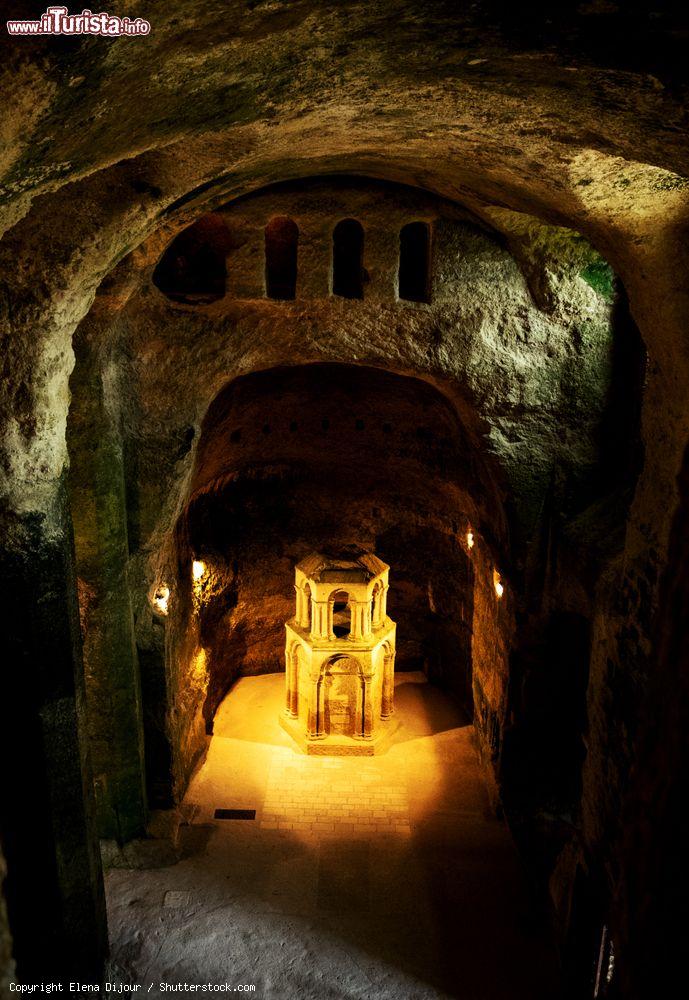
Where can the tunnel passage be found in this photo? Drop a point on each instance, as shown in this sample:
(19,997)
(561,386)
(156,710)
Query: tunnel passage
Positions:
(334,458)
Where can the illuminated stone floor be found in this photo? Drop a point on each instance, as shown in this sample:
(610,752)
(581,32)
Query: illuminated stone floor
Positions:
(381,877)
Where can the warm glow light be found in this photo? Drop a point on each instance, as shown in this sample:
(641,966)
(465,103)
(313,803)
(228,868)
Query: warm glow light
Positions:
(497,583)
(198,568)
(198,668)
(161,598)
(470,539)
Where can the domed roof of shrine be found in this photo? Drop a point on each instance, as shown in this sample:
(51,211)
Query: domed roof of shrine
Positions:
(348,568)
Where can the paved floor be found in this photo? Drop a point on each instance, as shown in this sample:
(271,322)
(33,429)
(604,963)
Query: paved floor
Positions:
(382,877)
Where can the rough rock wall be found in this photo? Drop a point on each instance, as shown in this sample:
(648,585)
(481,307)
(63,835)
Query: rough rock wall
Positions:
(43,712)
(98,507)
(492,639)
(531,382)
(576,117)
(652,911)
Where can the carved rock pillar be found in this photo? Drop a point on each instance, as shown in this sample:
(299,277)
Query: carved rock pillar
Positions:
(388,702)
(314,720)
(367,721)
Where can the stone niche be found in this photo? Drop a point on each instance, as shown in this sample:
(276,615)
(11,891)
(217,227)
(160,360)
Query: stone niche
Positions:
(340,657)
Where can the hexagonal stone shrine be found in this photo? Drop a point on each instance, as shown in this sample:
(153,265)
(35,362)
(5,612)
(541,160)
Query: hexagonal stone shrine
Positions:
(340,656)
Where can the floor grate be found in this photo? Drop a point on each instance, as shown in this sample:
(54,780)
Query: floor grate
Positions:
(235,814)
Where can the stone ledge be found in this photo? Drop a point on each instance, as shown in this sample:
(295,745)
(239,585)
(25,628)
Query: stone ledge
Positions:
(341,746)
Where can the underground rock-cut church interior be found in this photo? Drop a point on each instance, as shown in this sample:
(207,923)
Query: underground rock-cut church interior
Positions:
(344,534)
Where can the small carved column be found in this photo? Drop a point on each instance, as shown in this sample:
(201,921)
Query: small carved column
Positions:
(292,674)
(303,615)
(367,721)
(313,721)
(388,703)
(382,613)
(320,624)
(376,604)
(355,631)
(294,704)
(366,620)
(288,683)
(361,619)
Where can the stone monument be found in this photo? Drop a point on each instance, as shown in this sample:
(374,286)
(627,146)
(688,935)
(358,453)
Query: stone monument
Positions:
(340,656)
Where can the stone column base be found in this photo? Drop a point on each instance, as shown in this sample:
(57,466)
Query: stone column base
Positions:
(339,745)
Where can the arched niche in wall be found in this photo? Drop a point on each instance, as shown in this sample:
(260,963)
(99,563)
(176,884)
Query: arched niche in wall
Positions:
(308,619)
(414,266)
(348,259)
(376,604)
(281,249)
(193,269)
(341,613)
(241,520)
(340,697)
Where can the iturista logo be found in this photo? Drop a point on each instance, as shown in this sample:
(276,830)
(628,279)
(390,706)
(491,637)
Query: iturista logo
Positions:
(58,21)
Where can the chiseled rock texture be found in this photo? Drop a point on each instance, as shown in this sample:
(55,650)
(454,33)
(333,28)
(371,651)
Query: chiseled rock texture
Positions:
(549,148)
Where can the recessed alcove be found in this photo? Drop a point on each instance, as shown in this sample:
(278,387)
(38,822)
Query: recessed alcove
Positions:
(258,503)
(413,282)
(193,268)
(281,250)
(342,614)
(348,259)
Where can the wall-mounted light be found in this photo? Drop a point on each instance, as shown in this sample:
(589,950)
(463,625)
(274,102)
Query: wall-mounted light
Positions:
(198,568)
(497,583)
(161,598)
(470,539)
